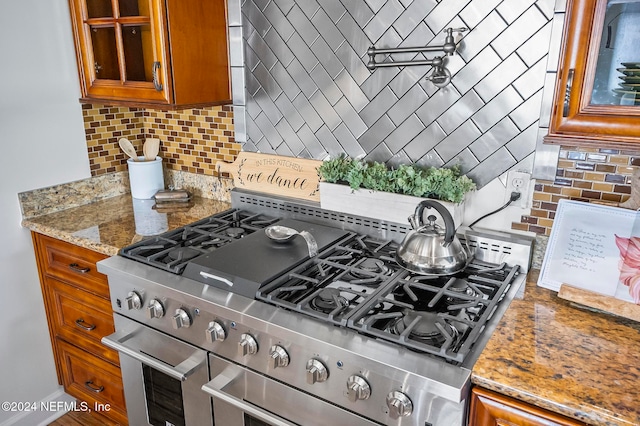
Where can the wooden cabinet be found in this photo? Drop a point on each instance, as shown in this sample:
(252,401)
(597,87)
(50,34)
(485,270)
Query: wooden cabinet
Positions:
(79,314)
(165,54)
(597,94)
(493,409)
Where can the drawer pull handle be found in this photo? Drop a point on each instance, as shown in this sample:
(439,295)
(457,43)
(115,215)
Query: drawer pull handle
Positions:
(89,385)
(567,93)
(77,268)
(84,325)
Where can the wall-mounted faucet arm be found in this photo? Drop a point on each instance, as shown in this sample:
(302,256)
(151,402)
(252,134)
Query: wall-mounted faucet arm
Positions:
(448,48)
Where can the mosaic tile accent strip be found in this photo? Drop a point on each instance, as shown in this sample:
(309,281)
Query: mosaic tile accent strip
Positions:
(103,126)
(191,140)
(591,175)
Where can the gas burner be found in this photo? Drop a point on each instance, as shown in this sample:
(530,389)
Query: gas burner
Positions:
(182,254)
(235,232)
(425,327)
(420,297)
(328,300)
(374,265)
(461,287)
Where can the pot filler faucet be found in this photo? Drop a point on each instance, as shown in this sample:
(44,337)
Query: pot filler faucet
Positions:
(440,76)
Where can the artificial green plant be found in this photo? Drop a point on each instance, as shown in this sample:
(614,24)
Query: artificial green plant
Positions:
(446,184)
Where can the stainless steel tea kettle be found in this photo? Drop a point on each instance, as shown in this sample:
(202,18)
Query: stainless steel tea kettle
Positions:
(429,249)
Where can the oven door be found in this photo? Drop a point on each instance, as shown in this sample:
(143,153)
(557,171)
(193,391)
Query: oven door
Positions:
(162,376)
(242,397)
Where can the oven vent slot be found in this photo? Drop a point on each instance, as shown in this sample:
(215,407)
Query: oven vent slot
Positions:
(495,248)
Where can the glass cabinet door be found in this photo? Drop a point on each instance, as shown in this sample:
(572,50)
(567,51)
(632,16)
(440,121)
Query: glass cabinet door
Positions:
(152,53)
(597,93)
(121,46)
(617,74)
(121,39)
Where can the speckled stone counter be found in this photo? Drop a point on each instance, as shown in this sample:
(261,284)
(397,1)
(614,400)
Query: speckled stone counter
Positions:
(108,225)
(565,358)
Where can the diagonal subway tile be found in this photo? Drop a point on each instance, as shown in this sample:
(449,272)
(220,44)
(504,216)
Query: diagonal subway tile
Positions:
(309,93)
(492,140)
(376,133)
(351,90)
(378,106)
(350,117)
(327,57)
(274,14)
(425,142)
(519,31)
(407,105)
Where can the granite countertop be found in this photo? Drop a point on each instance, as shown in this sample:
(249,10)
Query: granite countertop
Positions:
(565,358)
(108,225)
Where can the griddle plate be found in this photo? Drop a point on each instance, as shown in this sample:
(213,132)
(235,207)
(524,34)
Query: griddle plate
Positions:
(247,264)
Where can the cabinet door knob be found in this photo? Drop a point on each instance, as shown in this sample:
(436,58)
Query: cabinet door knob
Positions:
(156,80)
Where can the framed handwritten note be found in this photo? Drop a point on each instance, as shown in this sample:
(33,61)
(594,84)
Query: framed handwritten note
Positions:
(586,246)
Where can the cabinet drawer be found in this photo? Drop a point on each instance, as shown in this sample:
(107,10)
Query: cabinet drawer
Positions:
(82,318)
(93,380)
(73,264)
(491,408)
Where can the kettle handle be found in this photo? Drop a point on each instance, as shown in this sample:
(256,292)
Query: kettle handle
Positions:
(450,227)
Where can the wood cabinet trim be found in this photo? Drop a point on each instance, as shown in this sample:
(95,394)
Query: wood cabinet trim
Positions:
(78,367)
(67,294)
(188,78)
(491,408)
(585,124)
(71,304)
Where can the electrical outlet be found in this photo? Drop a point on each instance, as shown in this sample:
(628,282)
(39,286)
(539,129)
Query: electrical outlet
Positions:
(518,182)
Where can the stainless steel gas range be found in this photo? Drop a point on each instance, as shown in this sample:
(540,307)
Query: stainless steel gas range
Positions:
(218,324)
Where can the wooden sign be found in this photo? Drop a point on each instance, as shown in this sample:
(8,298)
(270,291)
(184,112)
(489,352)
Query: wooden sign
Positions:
(599,301)
(275,174)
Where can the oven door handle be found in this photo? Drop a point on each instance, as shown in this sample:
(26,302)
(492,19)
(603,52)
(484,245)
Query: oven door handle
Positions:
(179,372)
(215,388)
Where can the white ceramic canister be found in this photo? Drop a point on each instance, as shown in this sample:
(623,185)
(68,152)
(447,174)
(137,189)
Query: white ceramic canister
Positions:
(145,177)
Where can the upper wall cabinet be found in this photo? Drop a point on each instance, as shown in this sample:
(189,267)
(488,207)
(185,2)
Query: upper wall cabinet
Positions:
(597,97)
(165,54)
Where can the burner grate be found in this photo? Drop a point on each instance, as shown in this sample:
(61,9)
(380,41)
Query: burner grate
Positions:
(461,305)
(173,250)
(357,284)
(353,269)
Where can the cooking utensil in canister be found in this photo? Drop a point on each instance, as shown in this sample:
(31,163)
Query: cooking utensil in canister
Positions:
(127,147)
(151,148)
(283,234)
(429,249)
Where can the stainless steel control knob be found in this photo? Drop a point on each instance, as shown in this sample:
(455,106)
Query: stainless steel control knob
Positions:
(181,319)
(399,405)
(247,345)
(357,388)
(316,372)
(215,332)
(133,300)
(155,309)
(278,357)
